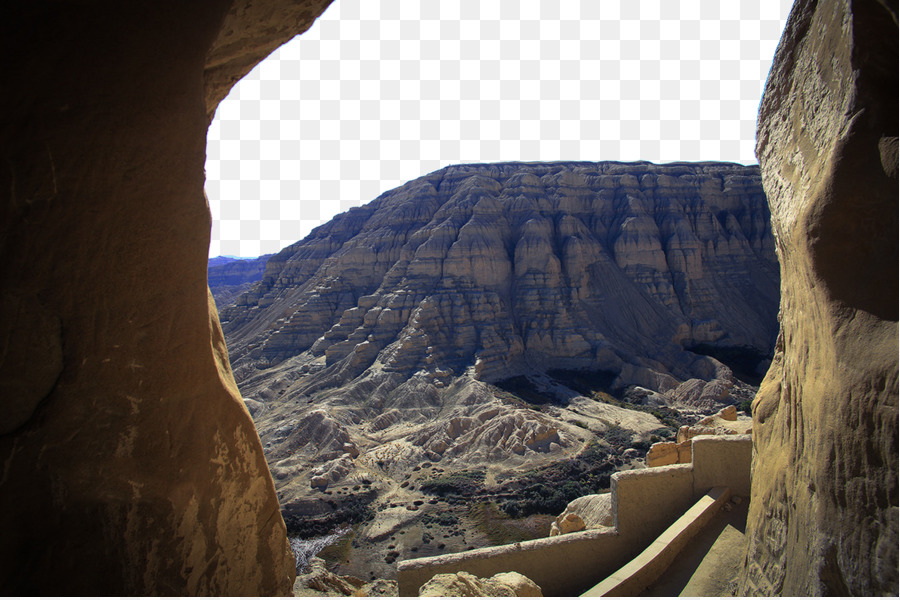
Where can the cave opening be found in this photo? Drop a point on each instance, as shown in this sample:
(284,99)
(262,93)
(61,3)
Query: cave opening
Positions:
(323,124)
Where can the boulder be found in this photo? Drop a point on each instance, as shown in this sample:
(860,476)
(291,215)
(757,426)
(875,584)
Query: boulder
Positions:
(669,453)
(463,584)
(317,578)
(566,523)
(729,413)
(587,512)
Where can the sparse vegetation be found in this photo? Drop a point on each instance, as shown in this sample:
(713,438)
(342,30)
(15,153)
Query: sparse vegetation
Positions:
(585,382)
(618,436)
(444,519)
(348,511)
(460,483)
(501,529)
(549,489)
(598,386)
(541,498)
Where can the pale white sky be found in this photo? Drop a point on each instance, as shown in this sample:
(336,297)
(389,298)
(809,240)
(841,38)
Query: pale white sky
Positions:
(377,93)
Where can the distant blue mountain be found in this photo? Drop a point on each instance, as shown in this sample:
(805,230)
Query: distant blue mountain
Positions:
(228,276)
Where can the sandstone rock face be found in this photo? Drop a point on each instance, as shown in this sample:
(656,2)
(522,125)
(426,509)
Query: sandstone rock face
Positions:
(465,584)
(130,464)
(252,30)
(823,514)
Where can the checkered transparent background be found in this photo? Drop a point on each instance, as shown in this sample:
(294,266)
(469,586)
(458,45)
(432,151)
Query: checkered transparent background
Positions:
(377,93)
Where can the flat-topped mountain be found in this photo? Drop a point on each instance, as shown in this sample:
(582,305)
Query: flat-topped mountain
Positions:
(372,346)
(511,268)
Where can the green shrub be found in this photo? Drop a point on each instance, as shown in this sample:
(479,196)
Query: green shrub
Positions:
(349,511)
(547,490)
(618,436)
(461,483)
(445,519)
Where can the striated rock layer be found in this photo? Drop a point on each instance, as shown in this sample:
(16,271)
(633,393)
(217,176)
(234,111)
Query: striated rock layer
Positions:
(130,466)
(367,348)
(823,516)
(516,268)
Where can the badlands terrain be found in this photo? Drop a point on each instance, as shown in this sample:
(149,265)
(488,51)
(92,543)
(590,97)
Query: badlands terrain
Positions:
(449,365)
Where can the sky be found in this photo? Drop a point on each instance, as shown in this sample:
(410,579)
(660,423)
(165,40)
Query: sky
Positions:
(377,93)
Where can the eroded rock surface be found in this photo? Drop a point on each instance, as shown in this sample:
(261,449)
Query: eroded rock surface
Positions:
(393,313)
(823,517)
(588,512)
(385,329)
(130,465)
(317,580)
(513,268)
(465,584)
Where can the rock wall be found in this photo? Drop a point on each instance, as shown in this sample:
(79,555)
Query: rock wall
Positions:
(824,511)
(129,464)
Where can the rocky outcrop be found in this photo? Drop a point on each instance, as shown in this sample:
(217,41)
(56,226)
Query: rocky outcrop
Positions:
(130,465)
(465,584)
(725,422)
(669,453)
(594,511)
(823,516)
(317,580)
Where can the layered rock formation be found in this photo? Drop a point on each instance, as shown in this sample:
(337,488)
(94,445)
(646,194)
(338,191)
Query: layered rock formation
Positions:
(823,515)
(368,348)
(130,465)
(228,278)
(516,268)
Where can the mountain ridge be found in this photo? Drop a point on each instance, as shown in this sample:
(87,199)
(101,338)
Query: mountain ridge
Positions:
(406,247)
(484,322)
